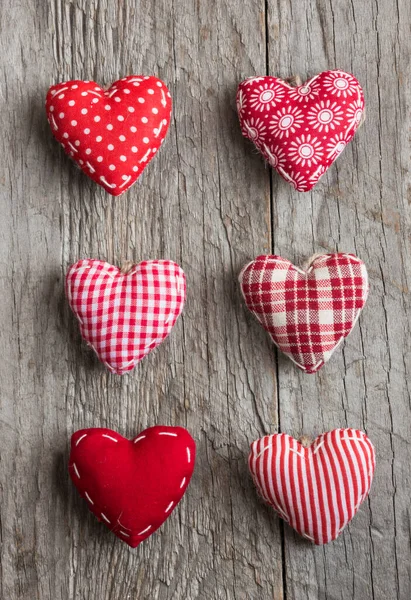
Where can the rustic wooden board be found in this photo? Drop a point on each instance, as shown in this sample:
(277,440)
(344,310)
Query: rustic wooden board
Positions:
(208,202)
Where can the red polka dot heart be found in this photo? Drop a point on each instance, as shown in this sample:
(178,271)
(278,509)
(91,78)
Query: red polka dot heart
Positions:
(301,130)
(111,134)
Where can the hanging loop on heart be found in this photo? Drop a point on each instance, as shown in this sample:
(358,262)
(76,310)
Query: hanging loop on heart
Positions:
(127,267)
(307,264)
(305,441)
(294,80)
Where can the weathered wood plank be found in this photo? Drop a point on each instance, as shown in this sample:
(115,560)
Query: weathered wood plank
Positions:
(360,206)
(204,202)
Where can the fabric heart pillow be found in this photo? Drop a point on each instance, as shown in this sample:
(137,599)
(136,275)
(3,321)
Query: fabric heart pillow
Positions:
(132,486)
(306,312)
(111,134)
(125,313)
(301,130)
(317,489)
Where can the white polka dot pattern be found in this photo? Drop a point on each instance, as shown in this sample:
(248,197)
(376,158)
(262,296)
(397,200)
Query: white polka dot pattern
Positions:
(111,134)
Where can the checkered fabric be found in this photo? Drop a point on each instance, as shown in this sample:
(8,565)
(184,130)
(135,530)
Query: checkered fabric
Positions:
(317,489)
(301,130)
(307,313)
(125,316)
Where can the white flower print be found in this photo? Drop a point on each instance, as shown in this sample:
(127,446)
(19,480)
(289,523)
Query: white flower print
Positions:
(340,84)
(355,112)
(286,121)
(297,180)
(255,130)
(325,115)
(274,155)
(307,91)
(336,145)
(306,150)
(265,96)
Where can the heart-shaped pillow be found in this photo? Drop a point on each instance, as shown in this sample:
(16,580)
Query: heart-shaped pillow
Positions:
(132,486)
(306,312)
(124,314)
(301,130)
(317,489)
(111,134)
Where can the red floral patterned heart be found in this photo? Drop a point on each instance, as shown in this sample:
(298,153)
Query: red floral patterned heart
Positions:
(306,312)
(316,489)
(125,314)
(301,130)
(111,134)
(132,486)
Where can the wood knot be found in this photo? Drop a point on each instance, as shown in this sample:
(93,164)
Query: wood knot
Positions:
(305,441)
(294,80)
(126,267)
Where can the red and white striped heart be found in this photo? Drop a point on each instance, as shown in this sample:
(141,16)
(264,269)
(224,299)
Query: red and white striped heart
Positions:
(306,312)
(301,130)
(317,489)
(111,134)
(132,486)
(125,313)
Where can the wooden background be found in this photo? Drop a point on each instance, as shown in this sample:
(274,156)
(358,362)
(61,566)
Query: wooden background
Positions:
(208,202)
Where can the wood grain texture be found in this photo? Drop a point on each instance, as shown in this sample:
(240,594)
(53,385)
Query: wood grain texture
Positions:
(208,202)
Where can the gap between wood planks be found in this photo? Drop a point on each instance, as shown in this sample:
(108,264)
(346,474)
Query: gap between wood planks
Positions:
(275,350)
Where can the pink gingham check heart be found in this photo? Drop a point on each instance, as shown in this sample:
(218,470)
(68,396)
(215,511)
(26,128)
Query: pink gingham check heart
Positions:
(125,315)
(306,312)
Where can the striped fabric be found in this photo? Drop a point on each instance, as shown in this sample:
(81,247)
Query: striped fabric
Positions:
(316,490)
(306,312)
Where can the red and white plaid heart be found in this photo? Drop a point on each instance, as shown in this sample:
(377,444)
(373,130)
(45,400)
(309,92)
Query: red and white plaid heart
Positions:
(111,134)
(132,486)
(318,489)
(301,130)
(306,312)
(124,314)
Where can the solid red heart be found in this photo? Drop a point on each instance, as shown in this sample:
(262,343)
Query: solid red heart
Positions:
(125,314)
(301,130)
(306,312)
(317,490)
(132,486)
(111,134)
